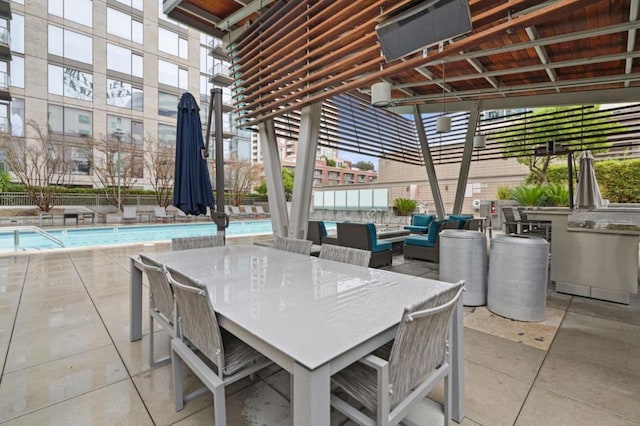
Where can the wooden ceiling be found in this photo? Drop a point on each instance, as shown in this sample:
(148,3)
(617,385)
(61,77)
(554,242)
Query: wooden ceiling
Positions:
(288,54)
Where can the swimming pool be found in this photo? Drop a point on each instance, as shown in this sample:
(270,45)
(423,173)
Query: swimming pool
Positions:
(118,235)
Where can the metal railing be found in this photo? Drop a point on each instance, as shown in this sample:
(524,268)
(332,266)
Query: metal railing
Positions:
(16,234)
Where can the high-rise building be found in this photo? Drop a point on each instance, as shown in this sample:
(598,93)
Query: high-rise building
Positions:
(105,69)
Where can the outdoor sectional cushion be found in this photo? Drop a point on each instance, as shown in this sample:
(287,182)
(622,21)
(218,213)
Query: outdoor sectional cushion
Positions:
(419,240)
(434,228)
(375,245)
(420,223)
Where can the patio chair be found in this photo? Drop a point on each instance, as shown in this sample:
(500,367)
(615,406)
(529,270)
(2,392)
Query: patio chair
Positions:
(160,214)
(419,358)
(161,303)
(345,254)
(510,222)
(293,245)
(129,213)
(187,243)
(198,325)
(427,247)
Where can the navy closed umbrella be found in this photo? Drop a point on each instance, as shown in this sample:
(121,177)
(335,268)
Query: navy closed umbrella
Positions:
(192,191)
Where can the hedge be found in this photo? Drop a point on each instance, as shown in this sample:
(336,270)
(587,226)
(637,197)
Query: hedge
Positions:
(618,179)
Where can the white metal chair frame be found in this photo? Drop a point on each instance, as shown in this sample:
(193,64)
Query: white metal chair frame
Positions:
(404,376)
(162,307)
(197,324)
(293,245)
(349,255)
(187,243)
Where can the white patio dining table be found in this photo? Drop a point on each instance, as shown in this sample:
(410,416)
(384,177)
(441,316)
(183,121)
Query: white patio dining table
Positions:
(311,316)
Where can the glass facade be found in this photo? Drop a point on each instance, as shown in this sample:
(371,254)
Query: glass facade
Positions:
(17,117)
(166,134)
(80,11)
(123,60)
(71,83)
(167,104)
(70,45)
(70,121)
(124,95)
(123,25)
(131,130)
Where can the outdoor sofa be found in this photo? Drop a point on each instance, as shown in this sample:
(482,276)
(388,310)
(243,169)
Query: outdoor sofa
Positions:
(427,247)
(363,236)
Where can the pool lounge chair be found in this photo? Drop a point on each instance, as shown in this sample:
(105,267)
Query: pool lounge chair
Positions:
(129,214)
(160,214)
(260,211)
(236,210)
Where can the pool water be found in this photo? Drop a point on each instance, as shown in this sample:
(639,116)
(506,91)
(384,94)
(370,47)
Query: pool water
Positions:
(118,235)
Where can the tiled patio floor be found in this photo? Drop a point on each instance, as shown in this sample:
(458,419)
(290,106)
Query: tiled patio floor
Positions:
(66,358)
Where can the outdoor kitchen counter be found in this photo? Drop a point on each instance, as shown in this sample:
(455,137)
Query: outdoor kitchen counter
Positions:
(597,263)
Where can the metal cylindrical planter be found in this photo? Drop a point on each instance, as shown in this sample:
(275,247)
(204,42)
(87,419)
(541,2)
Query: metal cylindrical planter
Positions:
(463,256)
(518,270)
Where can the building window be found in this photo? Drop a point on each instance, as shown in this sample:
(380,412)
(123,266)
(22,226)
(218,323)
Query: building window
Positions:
(70,121)
(17,117)
(167,104)
(123,60)
(79,158)
(131,130)
(70,83)
(70,44)
(136,4)
(166,134)
(17,71)
(122,25)
(17,33)
(124,95)
(172,75)
(80,11)
(169,42)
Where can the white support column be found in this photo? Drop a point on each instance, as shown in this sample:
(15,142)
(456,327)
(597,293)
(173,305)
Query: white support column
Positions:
(273,174)
(305,166)
(474,116)
(428,163)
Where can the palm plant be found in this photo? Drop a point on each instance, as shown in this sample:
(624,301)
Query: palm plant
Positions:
(528,195)
(556,195)
(405,206)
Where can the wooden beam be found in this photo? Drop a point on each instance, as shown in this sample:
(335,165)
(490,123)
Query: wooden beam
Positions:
(327,90)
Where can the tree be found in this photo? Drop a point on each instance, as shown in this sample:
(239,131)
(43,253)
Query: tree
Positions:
(365,165)
(5,179)
(240,176)
(330,162)
(287,182)
(117,165)
(562,125)
(38,162)
(160,161)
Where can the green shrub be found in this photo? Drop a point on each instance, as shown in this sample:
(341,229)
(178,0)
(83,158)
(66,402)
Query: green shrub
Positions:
(528,195)
(556,195)
(504,193)
(405,206)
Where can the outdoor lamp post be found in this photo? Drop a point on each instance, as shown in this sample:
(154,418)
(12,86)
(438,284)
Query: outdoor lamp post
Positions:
(118,135)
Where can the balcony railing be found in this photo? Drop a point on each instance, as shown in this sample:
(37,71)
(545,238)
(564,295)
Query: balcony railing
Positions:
(5,36)
(5,80)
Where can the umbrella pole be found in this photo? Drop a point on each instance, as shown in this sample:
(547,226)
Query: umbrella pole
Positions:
(215,107)
(570,171)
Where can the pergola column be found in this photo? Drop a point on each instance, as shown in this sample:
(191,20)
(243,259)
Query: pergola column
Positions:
(428,163)
(474,116)
(273,174)
(305,166)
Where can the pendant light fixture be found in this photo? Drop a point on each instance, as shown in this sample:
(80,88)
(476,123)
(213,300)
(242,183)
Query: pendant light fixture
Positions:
(381,94)
(479,140)
(443,123)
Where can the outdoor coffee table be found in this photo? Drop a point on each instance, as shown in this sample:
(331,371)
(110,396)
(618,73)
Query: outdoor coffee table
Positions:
(311,316)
